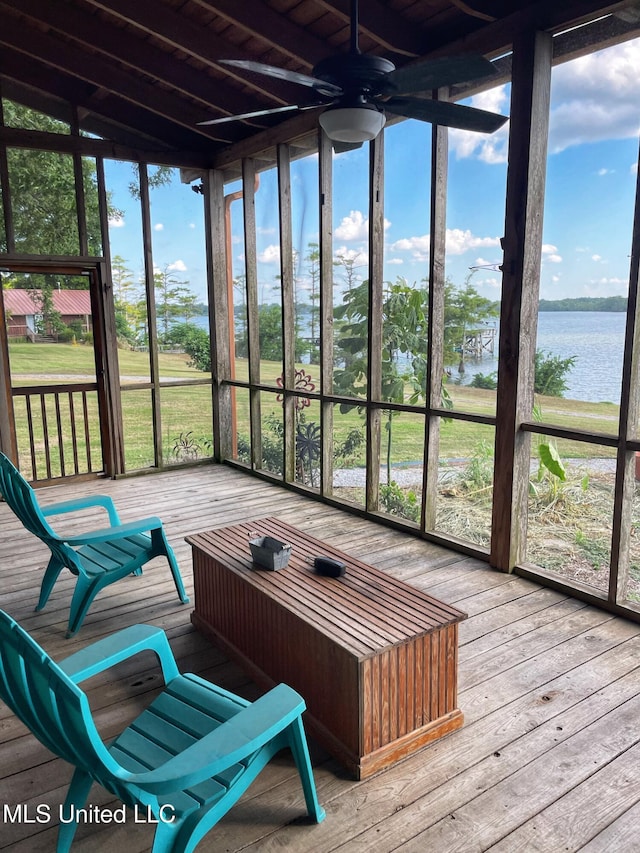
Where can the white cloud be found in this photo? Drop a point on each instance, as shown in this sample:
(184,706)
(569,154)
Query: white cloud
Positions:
(490,148)
(596,258)
(395,261)
(489,282)
(177,266)
(116,222)
(594,97)
(458,241)
(603,171)
(158,227)
(555,278)
(356,255)
(355,227)
(550,253)
(271,255)
(192,225)
(418,246)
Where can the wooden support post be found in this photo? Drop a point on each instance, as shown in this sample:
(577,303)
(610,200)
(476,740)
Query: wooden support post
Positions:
(253,317)
(8,442)
(522,244)
(220,318)
(152,330)
(78,176)
(437,241)
(627,459)
(111,404)
(374,361)
(325,179)
(289,402)
(7,212)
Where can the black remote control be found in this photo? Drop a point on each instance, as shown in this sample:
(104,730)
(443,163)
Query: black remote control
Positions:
(329,567)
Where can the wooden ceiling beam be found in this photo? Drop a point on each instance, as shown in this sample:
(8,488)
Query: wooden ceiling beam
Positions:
(161,22)
(105,75)
(118,111)
(40,141)
(59,108)
(380,23)
(120,45)
(261,21)
(497,37)
(254,146)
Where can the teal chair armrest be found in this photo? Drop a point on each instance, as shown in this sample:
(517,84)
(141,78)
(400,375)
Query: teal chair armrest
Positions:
(108,534)
(237,738)
(119,647)
(83,503)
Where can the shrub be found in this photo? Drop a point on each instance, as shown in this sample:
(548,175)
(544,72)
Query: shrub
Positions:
(550,373)
(488,381)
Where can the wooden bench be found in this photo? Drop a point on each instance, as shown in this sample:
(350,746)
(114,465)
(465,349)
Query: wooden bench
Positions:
(374,658)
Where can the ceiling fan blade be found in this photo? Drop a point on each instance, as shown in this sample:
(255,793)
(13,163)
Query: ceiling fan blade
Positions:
(435,73)
(446,114)
(259,113)
(342,147)
(321,86)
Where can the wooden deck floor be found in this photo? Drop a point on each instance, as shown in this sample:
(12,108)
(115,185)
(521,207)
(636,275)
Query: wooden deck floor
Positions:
(548,758)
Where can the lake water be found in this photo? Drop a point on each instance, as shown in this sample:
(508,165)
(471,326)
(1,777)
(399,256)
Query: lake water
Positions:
(596,339)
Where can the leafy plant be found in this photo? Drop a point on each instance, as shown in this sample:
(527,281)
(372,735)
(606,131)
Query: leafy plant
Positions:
(550,459)
(398,502)
(487,381)
(478,474)
(195,342)
(595,550)
(550,373)
(308,437)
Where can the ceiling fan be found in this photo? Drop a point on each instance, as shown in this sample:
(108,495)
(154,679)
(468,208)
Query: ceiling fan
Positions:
(357,90)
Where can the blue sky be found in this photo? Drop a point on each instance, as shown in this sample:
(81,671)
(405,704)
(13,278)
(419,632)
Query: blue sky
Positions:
(591,173)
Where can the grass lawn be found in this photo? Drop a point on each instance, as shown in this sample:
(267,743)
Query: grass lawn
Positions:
(186,412)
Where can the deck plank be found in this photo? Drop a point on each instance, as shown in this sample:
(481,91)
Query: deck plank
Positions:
(550,688)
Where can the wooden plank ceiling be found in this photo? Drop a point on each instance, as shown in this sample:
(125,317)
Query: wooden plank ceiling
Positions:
(144,73)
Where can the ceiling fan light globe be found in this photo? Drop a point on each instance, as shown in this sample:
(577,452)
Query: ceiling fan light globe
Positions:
(352,124)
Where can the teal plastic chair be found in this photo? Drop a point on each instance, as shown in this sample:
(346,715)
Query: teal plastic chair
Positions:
(185,760)
(98,558)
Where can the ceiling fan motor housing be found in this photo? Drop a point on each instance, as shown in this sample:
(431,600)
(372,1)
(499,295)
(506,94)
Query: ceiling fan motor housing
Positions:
(355,73)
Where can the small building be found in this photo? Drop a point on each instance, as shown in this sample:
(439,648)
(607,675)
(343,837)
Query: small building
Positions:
(23,310)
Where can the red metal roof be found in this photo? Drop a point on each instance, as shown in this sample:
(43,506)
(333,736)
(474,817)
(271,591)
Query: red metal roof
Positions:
(18,302)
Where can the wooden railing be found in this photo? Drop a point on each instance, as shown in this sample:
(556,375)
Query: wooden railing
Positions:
(58,430)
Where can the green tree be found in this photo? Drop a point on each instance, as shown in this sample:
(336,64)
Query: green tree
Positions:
(349,265)
(269,334)
(312,259)
(404,331)
(187,305)
(169,291)
(43,192)
(195,342)
(125,297)
(49,321)
(465,311)
(550,373)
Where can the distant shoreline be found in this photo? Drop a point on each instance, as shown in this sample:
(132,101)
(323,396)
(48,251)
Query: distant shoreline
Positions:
(585,303)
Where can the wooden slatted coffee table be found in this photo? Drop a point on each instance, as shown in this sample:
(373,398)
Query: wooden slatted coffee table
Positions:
(374,658)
